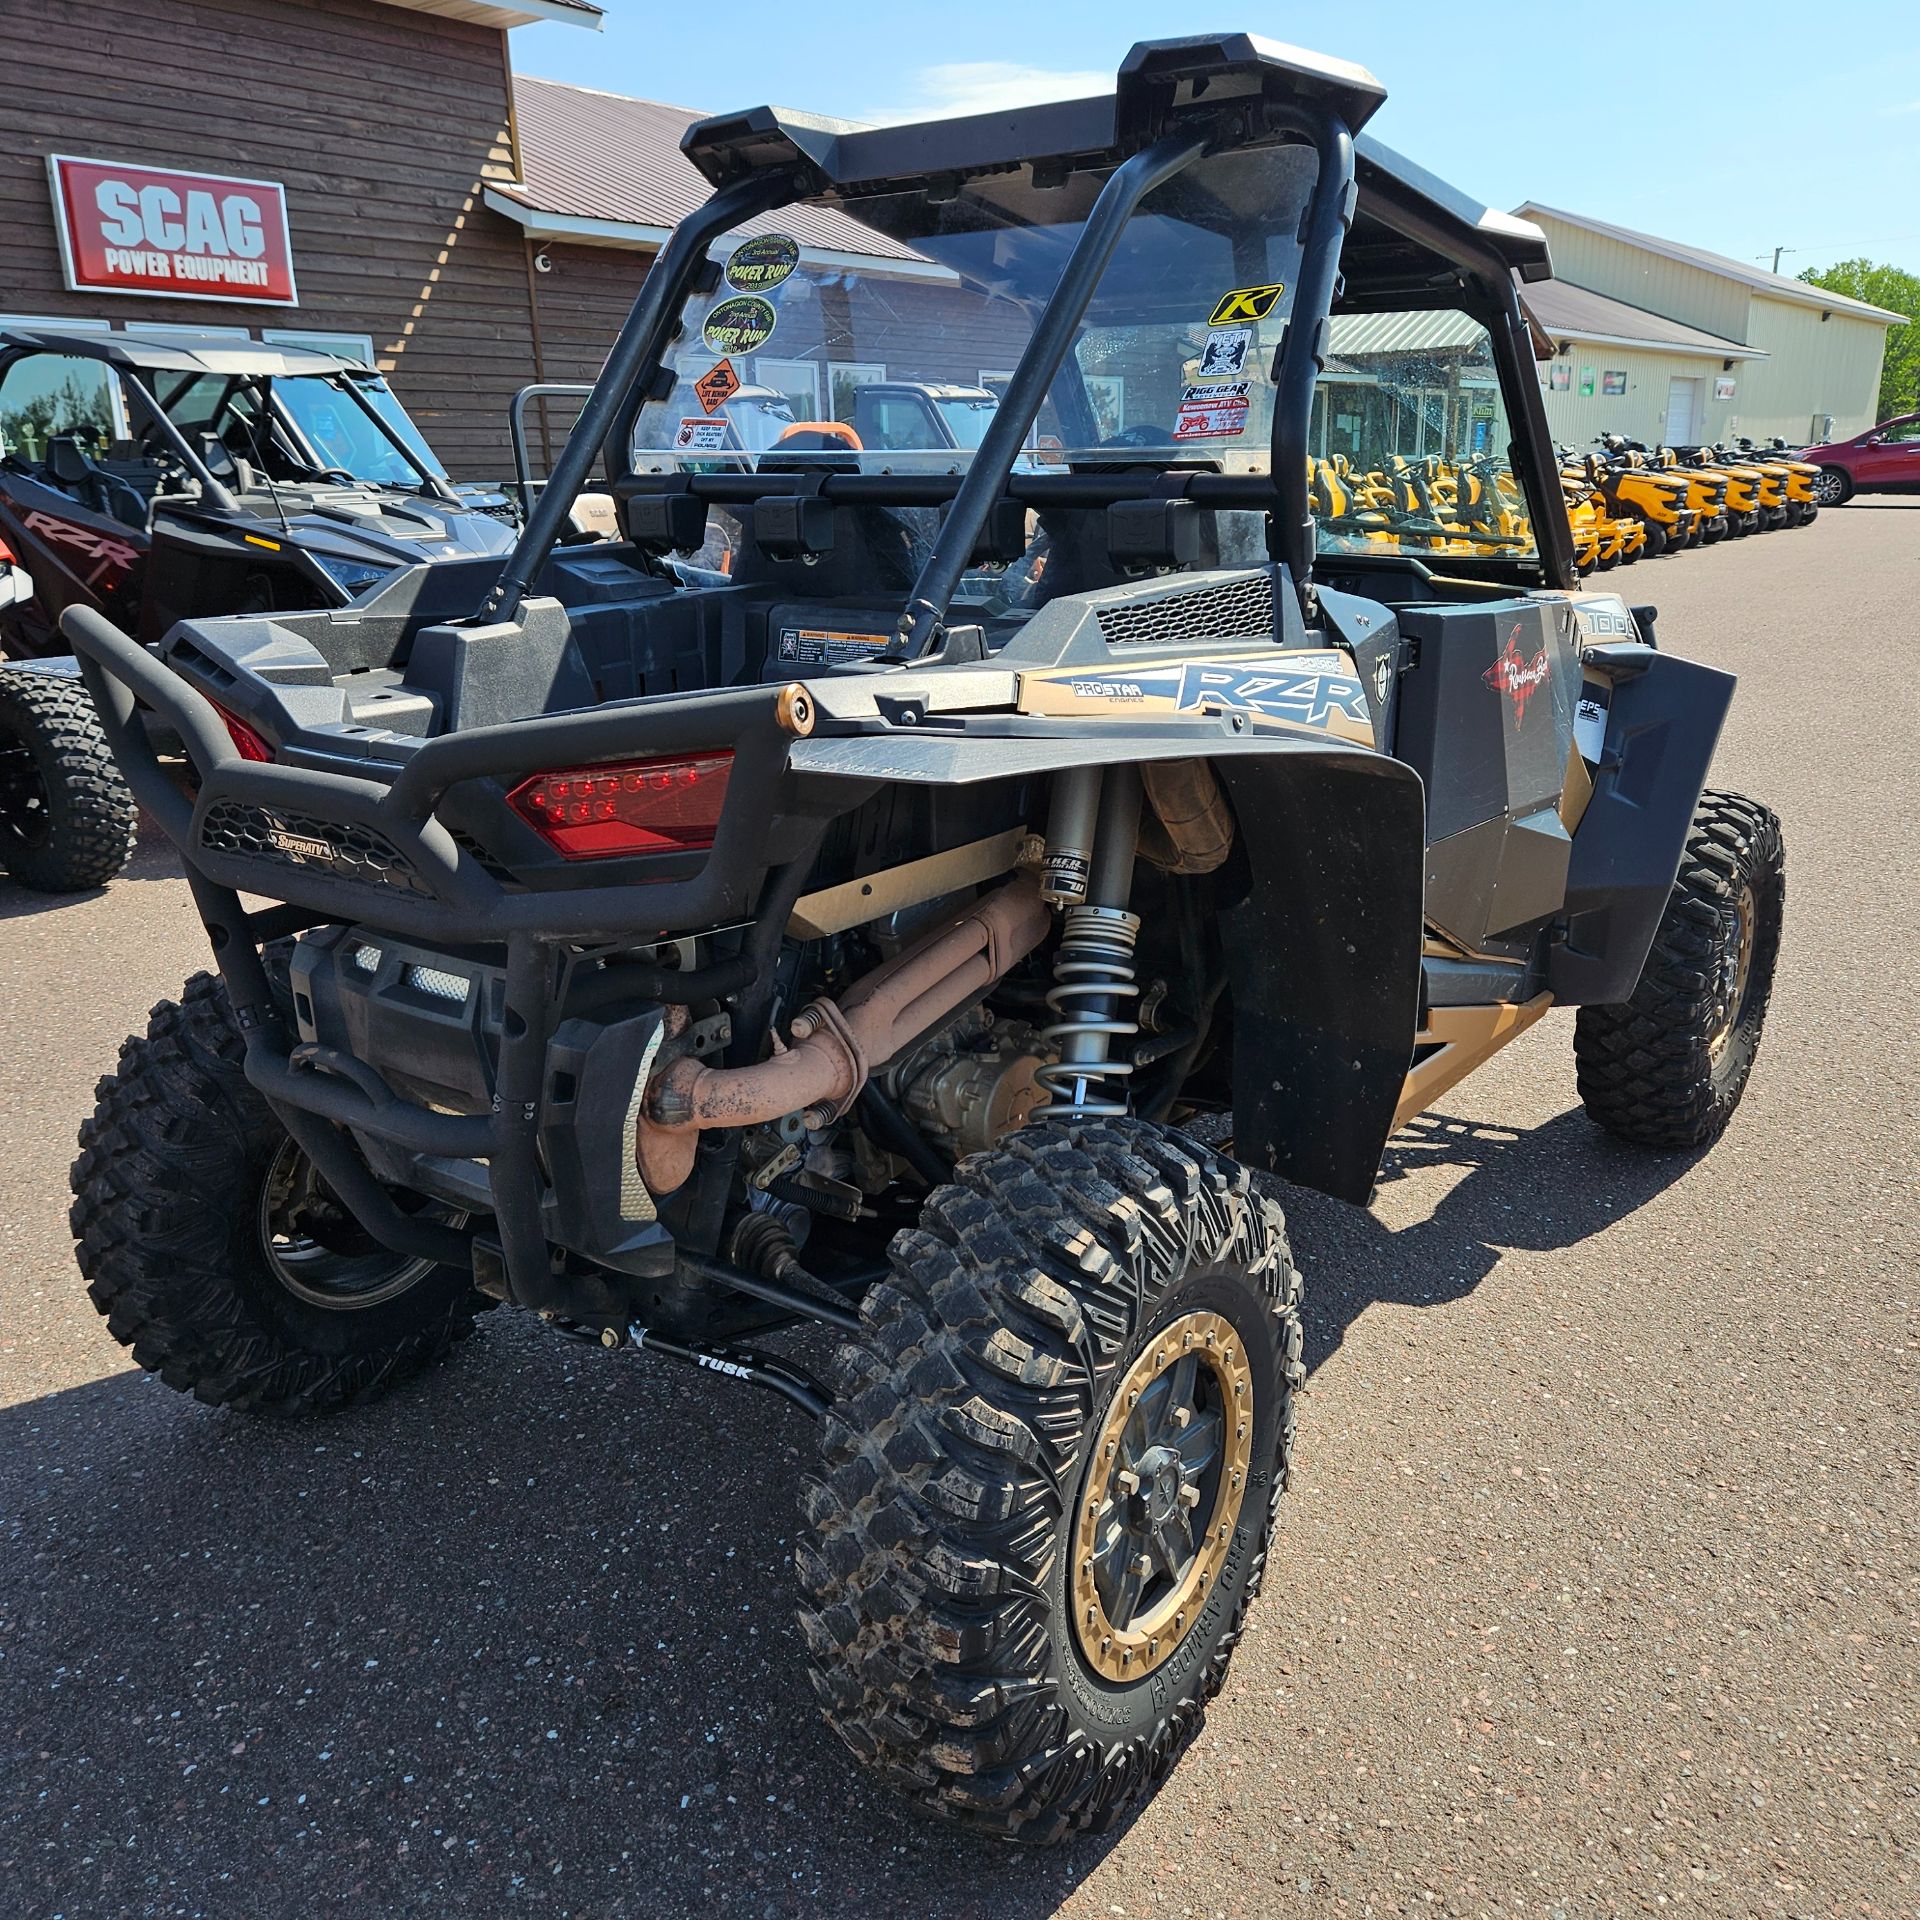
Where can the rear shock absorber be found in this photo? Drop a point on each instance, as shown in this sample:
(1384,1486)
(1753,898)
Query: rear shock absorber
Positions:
(1093,968)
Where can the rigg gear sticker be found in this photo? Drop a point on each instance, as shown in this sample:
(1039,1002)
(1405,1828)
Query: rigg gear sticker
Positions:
(740,325)
(1217,412)
(760,264)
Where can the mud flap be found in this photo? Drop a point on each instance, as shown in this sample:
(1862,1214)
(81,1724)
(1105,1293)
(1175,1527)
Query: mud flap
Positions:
(1323,964)
(1663,718)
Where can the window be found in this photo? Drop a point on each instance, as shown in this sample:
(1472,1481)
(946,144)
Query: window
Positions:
(177,336)
(845,378)
(1409,437)
(46,394)
(357,347)
(797,382)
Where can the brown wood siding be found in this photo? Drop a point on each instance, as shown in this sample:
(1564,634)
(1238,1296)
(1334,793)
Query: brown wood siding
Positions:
(382,123)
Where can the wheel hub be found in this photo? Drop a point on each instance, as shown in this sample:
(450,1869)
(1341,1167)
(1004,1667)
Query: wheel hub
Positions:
(1736,972)
(1164,1485)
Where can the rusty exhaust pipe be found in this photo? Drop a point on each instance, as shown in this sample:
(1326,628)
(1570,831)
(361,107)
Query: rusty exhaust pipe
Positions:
(837,1044)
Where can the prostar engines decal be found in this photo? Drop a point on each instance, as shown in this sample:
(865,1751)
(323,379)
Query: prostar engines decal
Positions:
(1518,677)
(1317,690)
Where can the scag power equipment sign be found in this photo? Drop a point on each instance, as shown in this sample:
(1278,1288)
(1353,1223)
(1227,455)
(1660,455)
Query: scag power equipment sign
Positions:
(182,236)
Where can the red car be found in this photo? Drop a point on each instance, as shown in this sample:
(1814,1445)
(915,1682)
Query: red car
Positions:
(1884,459)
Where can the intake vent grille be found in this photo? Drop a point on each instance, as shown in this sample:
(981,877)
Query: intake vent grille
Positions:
(298,840)
(1233,610)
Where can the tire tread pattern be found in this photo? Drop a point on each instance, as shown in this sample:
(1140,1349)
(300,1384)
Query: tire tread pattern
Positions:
(1645,1069)
(93,816)
(951,1451)
(154,1196)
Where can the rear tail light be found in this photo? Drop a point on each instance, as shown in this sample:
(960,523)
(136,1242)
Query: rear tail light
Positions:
(253,746)
(640,806)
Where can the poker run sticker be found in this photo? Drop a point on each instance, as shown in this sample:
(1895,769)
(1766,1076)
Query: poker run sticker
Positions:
(762,263)
(1224,357)
(816,646)
(1215,412)
(701,436)
(739,325)
(1245,303)
(717,386)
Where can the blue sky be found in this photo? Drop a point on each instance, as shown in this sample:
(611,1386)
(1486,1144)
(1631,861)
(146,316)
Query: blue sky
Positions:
(1775,123)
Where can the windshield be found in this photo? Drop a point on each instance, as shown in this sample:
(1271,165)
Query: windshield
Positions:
(968,420)
(333,433)
(342,435)
(1172,361)
(1409,442)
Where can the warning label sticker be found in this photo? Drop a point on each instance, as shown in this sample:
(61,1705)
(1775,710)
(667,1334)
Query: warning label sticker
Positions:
(1217,412)
(717,385)
(821,647)
(701,436)
(1245,303)
(1225,354)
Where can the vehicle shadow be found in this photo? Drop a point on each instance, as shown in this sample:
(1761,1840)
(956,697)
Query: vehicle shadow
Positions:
(525,1628)
(1539,1189)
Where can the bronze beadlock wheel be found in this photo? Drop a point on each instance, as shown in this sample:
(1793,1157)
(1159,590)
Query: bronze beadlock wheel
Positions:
(1736,971)
(1165,1484)
(1050,1475)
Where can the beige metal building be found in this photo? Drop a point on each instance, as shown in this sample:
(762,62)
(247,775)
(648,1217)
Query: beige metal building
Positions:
(1664,342)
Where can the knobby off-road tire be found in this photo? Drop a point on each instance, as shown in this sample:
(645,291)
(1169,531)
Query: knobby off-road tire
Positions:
(66,817)
(971,1425)
(175,1245)
(1667,1068)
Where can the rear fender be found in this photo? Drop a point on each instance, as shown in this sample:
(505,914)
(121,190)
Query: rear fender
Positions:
(1323,949)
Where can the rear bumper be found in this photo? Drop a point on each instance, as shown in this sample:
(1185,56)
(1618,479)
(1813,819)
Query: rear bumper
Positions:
(351,848)
(337,848)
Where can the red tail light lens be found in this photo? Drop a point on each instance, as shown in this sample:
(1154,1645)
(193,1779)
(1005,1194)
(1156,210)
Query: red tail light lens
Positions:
(252,746)
(640,806)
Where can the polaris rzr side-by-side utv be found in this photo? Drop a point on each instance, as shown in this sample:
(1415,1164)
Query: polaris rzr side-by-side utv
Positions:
(931,931)
(154,482)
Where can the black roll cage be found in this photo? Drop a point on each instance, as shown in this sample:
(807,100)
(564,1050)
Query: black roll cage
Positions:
(1165,113)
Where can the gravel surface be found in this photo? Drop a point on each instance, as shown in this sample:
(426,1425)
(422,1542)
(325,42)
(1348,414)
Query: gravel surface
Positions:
(1597,1592)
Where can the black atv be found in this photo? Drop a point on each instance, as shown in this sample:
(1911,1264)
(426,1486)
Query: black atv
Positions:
(154,482)
(930,932)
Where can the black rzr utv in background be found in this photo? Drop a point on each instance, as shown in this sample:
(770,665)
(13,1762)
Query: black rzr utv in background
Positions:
(154,482)
(869,939)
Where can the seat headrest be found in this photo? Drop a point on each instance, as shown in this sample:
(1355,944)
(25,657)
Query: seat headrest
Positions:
(68,465)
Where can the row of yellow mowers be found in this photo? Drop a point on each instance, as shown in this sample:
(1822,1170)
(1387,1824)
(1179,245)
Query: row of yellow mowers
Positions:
(1624,500)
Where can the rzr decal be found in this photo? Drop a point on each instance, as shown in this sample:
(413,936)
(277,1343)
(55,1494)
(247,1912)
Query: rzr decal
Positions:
(114,556)
(1246,303)
(1319,692)
(1517,677)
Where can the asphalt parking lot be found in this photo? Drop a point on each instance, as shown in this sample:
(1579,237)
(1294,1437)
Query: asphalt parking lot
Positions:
(1597,1592)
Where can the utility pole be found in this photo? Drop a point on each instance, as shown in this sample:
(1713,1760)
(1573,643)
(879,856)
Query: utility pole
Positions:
(1777,252)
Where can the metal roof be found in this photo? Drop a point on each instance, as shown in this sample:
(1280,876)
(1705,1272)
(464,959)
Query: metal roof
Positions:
(1438,330)
(1775,284)
(1568,312)
(604,160)
(510,13)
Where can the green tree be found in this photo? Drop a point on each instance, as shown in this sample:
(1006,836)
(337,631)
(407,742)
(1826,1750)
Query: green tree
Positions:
(1899,292)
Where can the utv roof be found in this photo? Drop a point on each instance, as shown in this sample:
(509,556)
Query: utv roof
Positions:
(131,354)
(1158,82)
